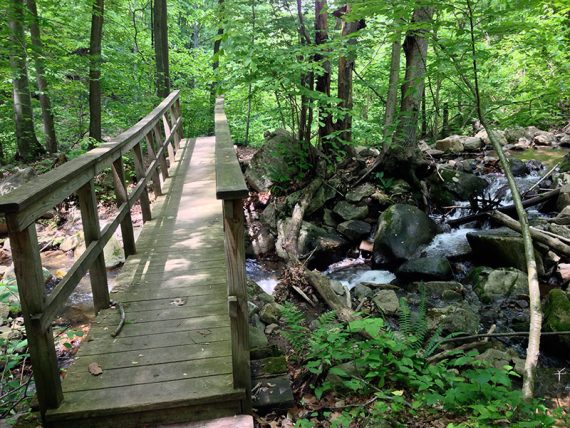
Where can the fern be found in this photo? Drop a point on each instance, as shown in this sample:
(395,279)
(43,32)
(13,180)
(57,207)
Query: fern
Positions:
(295,332)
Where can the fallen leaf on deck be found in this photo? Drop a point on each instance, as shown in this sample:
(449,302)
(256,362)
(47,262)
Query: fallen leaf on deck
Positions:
(178,302)
(95,369)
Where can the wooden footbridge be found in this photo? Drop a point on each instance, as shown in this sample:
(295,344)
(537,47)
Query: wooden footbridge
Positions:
(183,353)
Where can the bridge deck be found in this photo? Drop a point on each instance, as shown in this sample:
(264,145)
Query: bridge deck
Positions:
(172,361)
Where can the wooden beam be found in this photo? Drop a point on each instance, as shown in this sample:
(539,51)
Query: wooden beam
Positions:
(141,175)
(127,231)
(151,150)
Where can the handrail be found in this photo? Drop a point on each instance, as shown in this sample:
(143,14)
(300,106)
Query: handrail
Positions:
(231,189)
(161,129)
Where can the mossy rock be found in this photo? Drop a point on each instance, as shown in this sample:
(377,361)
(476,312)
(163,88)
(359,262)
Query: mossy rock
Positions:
(557,318)
(497,284)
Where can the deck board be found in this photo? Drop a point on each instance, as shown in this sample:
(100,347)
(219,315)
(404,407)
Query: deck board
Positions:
(174,350)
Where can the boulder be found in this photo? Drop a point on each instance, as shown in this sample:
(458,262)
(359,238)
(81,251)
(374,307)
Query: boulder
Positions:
(498,359)
(532,131)
(323,194)
(19,177)
(271,313)
(498,284)
(472,144)
(501,248)
(329,218)
(387,302)
(451,144)
(544,138)
(360,192)
(350,211)
(354,230)
(262,241)
(257,338)
(521,144)
(456,185)
(278,161)
(361,291)
(498,134)
(454,318)
(563,140)
(429,268)
(518,167)
(513,135)
(557,316)
(329,242)
(403,230)
(563,199)
(565,164)
(446,290)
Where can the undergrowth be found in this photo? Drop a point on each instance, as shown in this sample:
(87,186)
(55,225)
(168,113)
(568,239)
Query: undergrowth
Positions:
(387,372)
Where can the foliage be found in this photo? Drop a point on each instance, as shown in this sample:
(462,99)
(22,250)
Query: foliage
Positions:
(365,359)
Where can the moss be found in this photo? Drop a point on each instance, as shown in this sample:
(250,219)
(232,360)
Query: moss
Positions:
(275,365)
(557,311)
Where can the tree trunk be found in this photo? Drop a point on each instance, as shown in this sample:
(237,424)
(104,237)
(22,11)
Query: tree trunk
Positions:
(216,61)
(160,30)
(392,96)
(307,81)
(95,70)
(445,125)
(323,82)
(345,67)
(250,85)
(27,142)
(415,49)
(45,102)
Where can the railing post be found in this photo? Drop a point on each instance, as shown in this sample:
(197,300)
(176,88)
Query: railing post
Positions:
(140,171)
(162,160)
(127,231)
(237,295)
(167,133)
(156,186)
(173,119)
(179,115)
(92,232)
(29,276)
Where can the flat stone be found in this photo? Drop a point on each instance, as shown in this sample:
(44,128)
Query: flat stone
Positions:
(387,301)
(350,211)
(428,268)
(257,338)
(355,230)
(360,192)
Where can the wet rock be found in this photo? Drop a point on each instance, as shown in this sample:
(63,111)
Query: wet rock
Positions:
(387,301)
(403,230)
(362,291)
(17,179)
(349,211)
(277,161)
(498,284)
(456,185)
(360,192)
(557,316)
(498,134)
(428,268)
(447,290)
(257,338)
(354,230)
(454,318)
(518,167)
(270,313)
(330,243)
(329,218)
(501,248)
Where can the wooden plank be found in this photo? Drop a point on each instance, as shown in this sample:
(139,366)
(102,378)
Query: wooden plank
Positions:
(147,375)
(236,421)
(161,155)
(29,276)
(230,183)
(127,399)
(92,234)
(141,175)
(151,150)
(237,295)
(127,231)
(192,301)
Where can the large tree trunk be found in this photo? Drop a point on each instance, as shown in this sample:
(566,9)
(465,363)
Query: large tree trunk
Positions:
(37,51)
(307,81)
(160,30)
(323,83)
(415,49)
(95,70)
(27,142)
(392,96)
(216,61)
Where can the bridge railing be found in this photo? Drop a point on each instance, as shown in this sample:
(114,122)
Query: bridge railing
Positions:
(162,131)
(232,190)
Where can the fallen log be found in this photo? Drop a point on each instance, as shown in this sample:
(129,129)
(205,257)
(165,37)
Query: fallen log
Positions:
(506,209)
(322,285)
(554,243)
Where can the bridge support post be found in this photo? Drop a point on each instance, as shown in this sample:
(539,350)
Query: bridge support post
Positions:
(237,295)
(127,231)
(29,276)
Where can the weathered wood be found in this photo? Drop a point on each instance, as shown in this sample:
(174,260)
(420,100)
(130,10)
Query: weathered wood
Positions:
(173,120)
(141,174)
(237,294)
(151,150)
(168,133)
(29,276)
(161,154)
(127,231)
(230,183)
(92,233)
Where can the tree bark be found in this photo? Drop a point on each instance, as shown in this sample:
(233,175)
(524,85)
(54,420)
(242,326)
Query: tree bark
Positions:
(323,81)
(415,49)
(307,82)
(392,96)
(45,102)
(95,61)
(160,30)
(27,142)
(216,61)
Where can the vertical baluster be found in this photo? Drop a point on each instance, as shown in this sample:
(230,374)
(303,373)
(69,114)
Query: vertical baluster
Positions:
(162,160)
(140,171)
(237,295)
(167,133)
(179,115)
(92,232)
(173,119)
(156,186)
(122,196)
(29,276)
